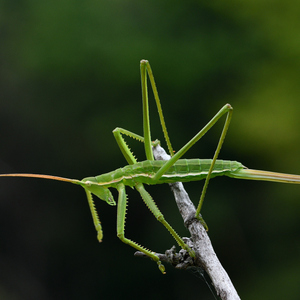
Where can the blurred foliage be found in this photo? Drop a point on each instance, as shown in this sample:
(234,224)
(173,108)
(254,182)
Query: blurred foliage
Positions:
(70,74)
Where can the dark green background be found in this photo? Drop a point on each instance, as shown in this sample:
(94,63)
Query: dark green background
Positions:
(69,74)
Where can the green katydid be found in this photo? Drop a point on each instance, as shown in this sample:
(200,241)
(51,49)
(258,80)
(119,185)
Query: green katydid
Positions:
(135,174)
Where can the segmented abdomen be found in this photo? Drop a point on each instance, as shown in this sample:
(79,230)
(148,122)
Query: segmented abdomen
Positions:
(183,170)
(196,169)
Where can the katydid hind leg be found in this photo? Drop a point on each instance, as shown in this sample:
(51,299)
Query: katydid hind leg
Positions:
(226,109)
(229,111)
(146,68)
(146,120)
(119,132)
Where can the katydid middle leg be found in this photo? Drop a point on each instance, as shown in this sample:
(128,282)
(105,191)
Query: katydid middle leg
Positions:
(121,215)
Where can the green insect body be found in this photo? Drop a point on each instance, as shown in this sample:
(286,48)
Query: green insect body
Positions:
(183,170)
(152,172)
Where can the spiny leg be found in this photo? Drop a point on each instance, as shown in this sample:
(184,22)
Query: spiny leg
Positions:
(128,154)
(159,216)
(121,214)
(95,216)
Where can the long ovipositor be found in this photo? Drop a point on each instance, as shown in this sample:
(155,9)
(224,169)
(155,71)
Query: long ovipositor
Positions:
(264,175)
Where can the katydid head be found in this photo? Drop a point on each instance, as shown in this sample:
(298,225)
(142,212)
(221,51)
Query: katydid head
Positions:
(98,190)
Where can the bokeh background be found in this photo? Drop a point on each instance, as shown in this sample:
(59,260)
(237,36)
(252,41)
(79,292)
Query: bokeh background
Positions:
(69,74)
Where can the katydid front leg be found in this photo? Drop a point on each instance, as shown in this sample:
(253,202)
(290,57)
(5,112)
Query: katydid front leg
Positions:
(95,216)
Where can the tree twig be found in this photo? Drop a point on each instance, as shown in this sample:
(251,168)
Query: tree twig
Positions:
(205,258)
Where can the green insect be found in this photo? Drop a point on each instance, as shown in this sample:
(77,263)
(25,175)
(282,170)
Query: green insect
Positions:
(150,171)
